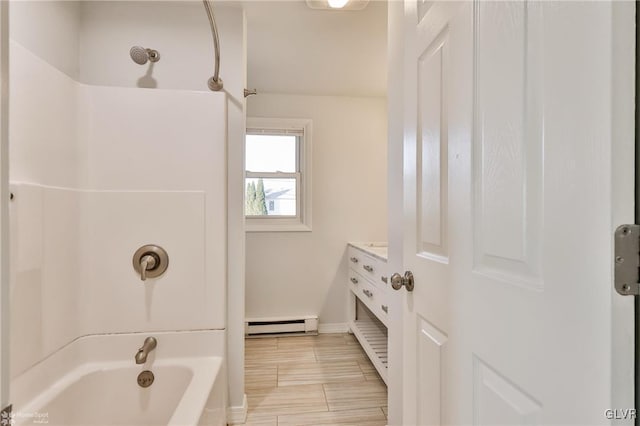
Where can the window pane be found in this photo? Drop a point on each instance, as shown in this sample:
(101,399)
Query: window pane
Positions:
(270,197)
(271,153)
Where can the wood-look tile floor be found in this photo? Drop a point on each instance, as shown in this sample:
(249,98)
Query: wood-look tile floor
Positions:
(312,380)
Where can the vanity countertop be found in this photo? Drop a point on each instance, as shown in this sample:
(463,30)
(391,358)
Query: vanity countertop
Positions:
(378,250)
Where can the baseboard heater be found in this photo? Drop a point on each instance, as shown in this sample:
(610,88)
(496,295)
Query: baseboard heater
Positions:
(263,327)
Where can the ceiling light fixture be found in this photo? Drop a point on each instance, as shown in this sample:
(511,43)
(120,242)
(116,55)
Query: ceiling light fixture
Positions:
(337,4)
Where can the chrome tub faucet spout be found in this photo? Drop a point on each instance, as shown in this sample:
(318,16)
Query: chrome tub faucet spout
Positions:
(149,344)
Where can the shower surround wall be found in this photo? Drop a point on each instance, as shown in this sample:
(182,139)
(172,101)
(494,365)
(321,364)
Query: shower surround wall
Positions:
(157,158)
(180,32)
(150,170)
(96,173)
(45,213)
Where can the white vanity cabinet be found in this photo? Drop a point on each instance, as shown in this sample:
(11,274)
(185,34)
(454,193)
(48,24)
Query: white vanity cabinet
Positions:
(368,282)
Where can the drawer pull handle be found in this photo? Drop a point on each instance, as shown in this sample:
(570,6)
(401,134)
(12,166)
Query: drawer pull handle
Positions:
(354,280)
(385,308)
(354,259)
(384,279)
(367,268)
(367,293)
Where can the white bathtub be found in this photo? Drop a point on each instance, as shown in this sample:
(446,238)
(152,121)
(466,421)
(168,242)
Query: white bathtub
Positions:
(93,381)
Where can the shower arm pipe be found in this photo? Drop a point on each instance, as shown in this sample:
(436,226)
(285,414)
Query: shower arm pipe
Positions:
(215,82)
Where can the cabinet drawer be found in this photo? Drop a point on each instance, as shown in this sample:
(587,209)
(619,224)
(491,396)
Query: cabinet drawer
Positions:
(356,281)
(381,275)
(382,308)
(355,259)
(373,298)
(369,266)
(379,305)
(369,296)
(375,270)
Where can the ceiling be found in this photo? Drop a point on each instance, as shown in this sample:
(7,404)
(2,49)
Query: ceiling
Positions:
(292,49)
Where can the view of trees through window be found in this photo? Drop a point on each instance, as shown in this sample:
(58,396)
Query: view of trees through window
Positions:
(270,196)
(255,201)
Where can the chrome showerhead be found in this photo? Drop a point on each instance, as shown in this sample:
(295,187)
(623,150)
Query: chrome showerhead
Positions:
(140,55)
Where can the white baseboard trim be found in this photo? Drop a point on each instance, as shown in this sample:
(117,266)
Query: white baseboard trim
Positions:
(338,327)
(238,415)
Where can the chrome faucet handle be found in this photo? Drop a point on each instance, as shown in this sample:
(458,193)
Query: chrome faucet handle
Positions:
(147,263)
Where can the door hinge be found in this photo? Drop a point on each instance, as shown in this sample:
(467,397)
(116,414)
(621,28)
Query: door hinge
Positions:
(627,260)
(6,417)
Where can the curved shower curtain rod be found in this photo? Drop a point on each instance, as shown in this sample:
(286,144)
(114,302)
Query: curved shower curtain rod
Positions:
(215,82)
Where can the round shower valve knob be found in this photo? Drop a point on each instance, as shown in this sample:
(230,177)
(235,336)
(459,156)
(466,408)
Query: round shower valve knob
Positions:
(150,261)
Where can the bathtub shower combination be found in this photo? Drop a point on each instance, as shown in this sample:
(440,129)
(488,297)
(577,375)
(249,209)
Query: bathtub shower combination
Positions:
(118,240)
(187,388)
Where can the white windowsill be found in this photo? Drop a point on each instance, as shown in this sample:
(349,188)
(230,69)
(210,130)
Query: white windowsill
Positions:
(253,226)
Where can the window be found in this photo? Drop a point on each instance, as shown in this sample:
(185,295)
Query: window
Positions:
(278,174)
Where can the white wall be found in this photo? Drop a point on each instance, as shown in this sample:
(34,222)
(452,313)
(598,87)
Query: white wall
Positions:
(50,29)
(300,273)
(294,49)
(179,31)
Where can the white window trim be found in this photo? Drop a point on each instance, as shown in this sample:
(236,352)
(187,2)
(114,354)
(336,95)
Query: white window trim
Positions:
(302,222)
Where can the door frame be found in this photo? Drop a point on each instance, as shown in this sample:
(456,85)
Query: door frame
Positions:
(395,201)
(637,217)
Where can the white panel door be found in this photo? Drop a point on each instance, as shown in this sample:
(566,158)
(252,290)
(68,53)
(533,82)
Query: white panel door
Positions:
(517,124)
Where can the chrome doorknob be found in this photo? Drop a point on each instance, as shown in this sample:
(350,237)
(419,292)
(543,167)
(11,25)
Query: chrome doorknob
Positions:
(397,281)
